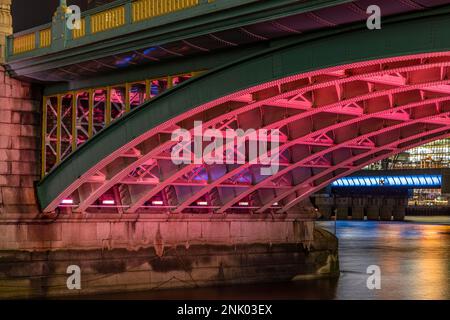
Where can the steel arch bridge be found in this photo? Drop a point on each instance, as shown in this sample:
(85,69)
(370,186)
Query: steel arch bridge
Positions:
(341,99)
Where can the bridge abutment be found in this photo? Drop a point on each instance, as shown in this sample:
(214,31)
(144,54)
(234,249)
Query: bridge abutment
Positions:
(131,252)
(19,135)
(147,254)
(19,145)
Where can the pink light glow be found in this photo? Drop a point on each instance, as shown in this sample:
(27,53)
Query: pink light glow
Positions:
(108,202)
(337,106)
(157,203)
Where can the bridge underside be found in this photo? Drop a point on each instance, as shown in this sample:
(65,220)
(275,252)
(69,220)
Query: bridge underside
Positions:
(332,122)
(334,118)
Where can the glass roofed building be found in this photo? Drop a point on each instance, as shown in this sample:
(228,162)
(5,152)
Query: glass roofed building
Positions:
(428,156)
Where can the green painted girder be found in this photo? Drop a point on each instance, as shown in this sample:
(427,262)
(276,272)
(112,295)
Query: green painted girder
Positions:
(409,34)
(158,70)
(200,20)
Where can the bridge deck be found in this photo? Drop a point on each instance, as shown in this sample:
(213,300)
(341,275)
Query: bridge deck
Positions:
(118,37)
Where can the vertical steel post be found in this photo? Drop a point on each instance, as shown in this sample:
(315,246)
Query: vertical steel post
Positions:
(108,106)
(148,89)
(44,138)
(127,97)
(74,121)
(58,127)
(91,113)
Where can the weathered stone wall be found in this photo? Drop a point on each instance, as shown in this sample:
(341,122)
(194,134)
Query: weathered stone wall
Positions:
(44,273)
(101,234)
(19,145)
(130,252)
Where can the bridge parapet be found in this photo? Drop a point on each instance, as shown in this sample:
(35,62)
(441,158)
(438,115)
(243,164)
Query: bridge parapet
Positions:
(120,17)
(70,119)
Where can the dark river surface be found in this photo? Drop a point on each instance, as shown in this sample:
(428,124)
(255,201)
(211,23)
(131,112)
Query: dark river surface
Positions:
(413,257)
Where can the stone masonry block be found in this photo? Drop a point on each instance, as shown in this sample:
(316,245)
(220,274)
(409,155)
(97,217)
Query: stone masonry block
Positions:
(194,230)
(103,230)
(150,230)
(18,155)
(5,142)
(5,116)
(9,181)
(30,143)
(174,232)
(216,230)
(28,130)
(78,232)
(24,168)
(119,231)
(47,232)
(16,117)
(28,181)
(29,118)
(5,167)
(18,196)
(12,130)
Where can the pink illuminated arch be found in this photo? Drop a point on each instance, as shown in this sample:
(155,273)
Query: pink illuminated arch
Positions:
(334,121)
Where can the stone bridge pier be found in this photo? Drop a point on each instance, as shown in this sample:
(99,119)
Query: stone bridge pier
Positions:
(130,251)
(134,252)
(119,253)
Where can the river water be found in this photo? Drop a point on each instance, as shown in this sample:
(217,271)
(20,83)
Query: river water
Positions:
(413,257)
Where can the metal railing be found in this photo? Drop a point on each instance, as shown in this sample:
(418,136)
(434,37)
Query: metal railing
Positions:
(108,19)
(69,119)
(99,20)
(147,9)
(24,43)
(81,32)
(45,38)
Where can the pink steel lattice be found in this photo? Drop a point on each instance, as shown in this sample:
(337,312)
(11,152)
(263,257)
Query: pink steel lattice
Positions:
(333,122)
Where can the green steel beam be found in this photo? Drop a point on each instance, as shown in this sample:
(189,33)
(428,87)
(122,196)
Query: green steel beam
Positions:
(431,32)
(158,70)
(211,17)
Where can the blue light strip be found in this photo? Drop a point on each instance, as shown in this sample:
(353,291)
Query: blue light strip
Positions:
(390,181)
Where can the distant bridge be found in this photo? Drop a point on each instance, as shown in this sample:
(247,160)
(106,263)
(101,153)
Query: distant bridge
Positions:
(382,194)
(407,179)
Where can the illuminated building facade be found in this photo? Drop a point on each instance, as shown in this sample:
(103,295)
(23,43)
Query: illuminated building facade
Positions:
(432,155)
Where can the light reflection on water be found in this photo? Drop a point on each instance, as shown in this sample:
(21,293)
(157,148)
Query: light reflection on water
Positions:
(413,257)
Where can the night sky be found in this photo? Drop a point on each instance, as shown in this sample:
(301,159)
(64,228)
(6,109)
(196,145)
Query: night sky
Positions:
(31,13)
